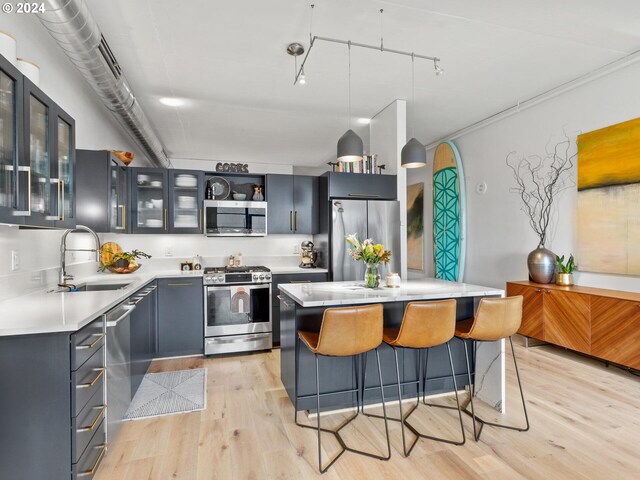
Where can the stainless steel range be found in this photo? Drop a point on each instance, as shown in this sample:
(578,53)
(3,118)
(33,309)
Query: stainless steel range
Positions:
(237,309)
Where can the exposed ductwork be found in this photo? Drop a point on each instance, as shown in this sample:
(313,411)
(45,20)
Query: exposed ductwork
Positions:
(71,24)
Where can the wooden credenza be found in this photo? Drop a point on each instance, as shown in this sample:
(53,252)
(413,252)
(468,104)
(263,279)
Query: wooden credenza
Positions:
(598,322)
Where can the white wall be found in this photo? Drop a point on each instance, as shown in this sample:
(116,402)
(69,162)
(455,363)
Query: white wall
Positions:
(388,134)
(498,235)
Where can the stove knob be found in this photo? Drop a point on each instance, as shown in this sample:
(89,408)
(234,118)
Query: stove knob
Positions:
(221,278)
(267,277)
(261,277)
(207,279)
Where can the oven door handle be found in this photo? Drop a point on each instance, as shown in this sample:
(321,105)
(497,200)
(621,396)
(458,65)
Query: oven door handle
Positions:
(246,286)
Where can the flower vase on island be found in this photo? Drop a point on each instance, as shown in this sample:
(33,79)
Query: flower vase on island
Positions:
(371,254)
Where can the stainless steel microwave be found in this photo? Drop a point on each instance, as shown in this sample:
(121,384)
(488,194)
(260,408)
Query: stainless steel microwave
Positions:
(230,218)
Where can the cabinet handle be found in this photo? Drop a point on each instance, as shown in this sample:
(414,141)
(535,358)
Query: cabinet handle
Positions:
(363,195)
(88,473)
(93,382)
(123,209)
(295,216)
(57,216)
(290,220)
(179,284)
(91,345)
(27,212)
(94,423)
(62,196)
(165,219)
(200,219)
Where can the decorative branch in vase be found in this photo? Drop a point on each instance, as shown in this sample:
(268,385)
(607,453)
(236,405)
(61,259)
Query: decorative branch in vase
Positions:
(371,254)
(540,180)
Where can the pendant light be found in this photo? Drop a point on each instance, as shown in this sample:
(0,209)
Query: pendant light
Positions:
(414,154)
(350,146)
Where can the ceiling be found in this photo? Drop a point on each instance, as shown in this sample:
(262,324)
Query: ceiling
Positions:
(227,60)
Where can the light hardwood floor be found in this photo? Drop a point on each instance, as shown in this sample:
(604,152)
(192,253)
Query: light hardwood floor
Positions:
(585,424)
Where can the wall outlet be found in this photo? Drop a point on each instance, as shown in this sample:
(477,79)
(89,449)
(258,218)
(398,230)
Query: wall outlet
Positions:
(481,188)
(168,252)
(15,260)
(296,248)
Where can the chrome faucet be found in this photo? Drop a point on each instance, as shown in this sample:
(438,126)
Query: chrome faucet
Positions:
(63,251)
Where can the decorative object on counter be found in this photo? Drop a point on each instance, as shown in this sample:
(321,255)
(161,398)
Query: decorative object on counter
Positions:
(186,266)
(540,180)
(308,255)
(448,213)
(220,188)
(29,70)
(197,262)
(393,280)
(609,199)
(239,196)
(415,226)
(235,260)
(112,258)
(258,195)
(565,271)
(8,47)
(124,157)
(371,254)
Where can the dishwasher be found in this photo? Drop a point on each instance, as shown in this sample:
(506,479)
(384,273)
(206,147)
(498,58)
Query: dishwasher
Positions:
(118,366)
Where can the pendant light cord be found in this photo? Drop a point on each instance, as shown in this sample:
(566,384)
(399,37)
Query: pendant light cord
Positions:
(413,97)
(311,24)
(349,46)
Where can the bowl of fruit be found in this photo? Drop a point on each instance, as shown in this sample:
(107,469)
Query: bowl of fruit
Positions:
(115,260)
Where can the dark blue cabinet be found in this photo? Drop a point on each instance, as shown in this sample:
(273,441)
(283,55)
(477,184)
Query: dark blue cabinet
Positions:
(292,204)
(186,194)
(149,200)
(180,326)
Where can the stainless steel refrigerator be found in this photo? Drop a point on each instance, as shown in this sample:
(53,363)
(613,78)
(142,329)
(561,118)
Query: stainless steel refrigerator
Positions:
(375,219)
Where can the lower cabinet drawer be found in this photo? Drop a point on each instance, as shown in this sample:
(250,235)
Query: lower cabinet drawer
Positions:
(237,343)
(86,381)
(89,462)
(85,425)
(86,342)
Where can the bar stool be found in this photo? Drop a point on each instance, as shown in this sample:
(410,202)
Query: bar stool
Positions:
(496,319)
(424,325)
(345,332)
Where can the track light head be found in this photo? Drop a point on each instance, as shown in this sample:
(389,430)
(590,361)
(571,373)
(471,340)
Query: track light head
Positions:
(437,68)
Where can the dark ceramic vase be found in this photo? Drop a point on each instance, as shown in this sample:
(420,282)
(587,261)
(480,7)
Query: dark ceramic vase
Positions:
(542,265)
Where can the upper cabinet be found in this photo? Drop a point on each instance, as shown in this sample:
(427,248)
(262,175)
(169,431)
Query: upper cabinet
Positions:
(49,155)
(149,200)
(186,194)
(13,203)
(102,192)
(37,155)
(292,204)
(356,186)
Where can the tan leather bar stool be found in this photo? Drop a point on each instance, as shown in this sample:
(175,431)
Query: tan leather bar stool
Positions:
(345,332)
(424,325)
(496,319)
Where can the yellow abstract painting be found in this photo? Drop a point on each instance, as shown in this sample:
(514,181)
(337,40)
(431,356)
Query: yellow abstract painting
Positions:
(609,199)
(415,226)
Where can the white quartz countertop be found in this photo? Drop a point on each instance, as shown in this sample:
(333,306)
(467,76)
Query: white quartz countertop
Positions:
(296,270)
(51,312)
(329,294)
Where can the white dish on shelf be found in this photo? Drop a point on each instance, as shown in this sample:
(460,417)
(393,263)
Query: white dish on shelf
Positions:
(154,223)
(156,183)
(186,181)
(156,202)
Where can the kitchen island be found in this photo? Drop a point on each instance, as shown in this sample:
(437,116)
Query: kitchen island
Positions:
(302,307)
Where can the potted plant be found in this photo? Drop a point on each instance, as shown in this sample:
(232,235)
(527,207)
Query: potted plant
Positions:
(121,262)
(565,271)
(371,254)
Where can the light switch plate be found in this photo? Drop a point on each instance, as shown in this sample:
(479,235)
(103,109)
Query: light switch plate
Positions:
(15,260)
(168,252)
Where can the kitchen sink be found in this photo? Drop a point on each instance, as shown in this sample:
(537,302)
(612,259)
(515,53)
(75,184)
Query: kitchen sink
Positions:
(92,287)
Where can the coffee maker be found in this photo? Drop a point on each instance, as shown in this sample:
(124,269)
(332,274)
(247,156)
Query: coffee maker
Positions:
(308,255)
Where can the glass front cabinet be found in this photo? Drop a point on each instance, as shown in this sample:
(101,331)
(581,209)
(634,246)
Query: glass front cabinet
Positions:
(149,200)
(186,194)
(13,174)
(37,155)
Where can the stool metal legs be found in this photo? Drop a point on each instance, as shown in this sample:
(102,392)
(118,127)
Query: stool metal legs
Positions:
(476,434)
(404,418)
(336,432)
